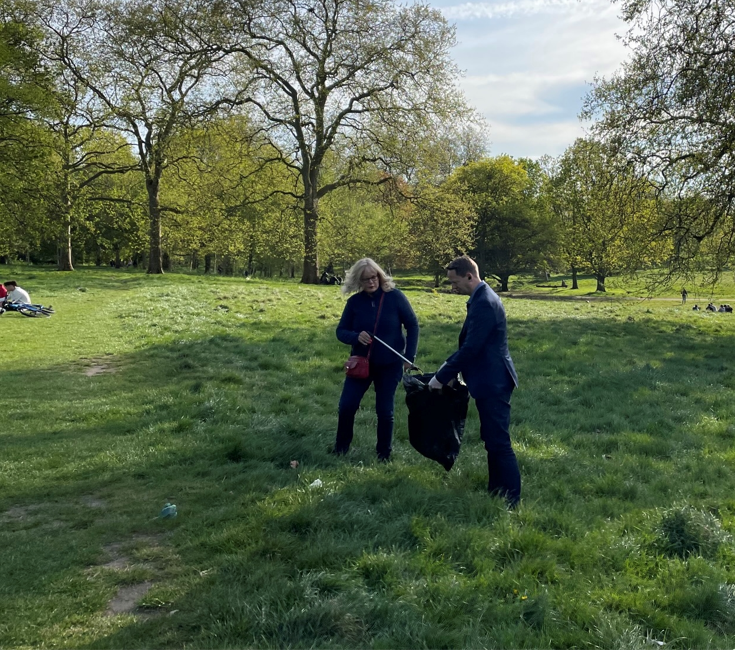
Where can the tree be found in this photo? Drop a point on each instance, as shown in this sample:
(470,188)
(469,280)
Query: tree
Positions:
(110,209)
(222,199)
(82,150)
(513,228)
(360,78)
(441,226)
(22,76)
(671,108)
(607,211)
(24,211)
(153,78)
(24,168)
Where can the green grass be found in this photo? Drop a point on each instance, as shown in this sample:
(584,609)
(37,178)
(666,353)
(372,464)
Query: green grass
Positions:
(624,426)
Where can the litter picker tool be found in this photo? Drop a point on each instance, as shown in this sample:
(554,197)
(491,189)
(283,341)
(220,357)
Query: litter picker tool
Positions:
(398,354)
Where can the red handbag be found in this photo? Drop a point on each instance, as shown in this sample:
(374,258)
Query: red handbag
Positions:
(356,366)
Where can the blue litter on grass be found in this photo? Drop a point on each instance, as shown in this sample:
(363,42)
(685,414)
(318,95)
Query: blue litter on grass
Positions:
(169,511)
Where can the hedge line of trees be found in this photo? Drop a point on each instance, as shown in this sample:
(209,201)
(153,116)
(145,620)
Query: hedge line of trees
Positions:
(279,135)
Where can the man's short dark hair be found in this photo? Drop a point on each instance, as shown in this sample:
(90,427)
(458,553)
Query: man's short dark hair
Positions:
(13,282)
(464,265)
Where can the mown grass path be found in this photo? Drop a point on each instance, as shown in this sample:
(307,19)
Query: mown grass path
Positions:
(202,391)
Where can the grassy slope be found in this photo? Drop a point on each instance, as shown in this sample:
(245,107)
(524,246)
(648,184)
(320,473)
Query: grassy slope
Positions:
(624,428)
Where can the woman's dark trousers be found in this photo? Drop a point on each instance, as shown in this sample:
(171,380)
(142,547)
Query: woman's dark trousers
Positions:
(504,477)
(386,380)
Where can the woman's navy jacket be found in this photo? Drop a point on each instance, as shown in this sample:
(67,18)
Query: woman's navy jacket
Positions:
(360,313)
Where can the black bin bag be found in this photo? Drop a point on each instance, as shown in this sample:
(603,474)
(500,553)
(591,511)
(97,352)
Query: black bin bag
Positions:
(435,418)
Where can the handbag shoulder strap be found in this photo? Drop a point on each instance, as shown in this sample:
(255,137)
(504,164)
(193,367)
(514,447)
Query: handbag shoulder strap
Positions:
(377,318)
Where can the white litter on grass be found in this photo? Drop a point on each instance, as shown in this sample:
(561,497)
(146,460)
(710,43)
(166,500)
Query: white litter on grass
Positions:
(316,484)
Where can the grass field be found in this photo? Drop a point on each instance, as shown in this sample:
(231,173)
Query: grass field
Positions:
(201,391)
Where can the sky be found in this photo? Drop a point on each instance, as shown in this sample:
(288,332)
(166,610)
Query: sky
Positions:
(529,63)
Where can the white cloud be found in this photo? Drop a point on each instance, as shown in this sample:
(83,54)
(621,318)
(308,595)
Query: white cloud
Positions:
(519,94)
(528,64)
(533,140)
(470,10)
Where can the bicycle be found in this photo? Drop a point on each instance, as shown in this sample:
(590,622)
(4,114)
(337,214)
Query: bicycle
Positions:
(32,311)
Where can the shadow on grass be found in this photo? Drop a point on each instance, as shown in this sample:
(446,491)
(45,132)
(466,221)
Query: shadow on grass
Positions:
(213,425)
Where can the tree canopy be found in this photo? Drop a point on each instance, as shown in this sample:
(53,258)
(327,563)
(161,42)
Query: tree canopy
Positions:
(671,108)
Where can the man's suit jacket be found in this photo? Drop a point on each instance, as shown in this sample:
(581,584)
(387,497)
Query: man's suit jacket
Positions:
(483,357)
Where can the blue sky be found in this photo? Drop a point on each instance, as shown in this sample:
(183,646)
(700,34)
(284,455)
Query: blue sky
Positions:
(529,63)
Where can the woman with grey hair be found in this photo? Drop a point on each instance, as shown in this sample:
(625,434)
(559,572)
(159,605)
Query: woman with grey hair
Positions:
(375,308)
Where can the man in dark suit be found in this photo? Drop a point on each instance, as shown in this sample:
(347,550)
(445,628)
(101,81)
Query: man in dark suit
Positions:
(487,369)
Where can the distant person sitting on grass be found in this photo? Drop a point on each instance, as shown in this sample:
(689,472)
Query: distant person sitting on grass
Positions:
(15,293)
(711,307)
(696,308)
(3,294)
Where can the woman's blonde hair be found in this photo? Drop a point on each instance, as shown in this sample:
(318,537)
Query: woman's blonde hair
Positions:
(352,279)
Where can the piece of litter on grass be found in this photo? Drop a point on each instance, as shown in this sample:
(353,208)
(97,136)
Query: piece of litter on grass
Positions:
(169,510)
(294,464)
(317,483)
(607,456)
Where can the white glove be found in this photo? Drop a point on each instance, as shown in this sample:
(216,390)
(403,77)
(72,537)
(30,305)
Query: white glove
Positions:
(435,384)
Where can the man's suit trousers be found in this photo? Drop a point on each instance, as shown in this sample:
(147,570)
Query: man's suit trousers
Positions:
(504,477)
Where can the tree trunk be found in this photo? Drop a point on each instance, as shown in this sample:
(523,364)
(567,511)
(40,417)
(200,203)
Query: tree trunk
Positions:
(166,261)
(207,263)
(600,282)
(504,282)
(64,250)
(575,284)
(155,257)
(310,274)
(64,253)
(194,261)
(98,257)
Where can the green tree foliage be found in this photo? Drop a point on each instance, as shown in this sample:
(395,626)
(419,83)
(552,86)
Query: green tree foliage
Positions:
(367,221)
(82,150)
(513,227)
(24,166)
(608,213)
(224,199)
(24,210)
(110,208)
(441,226)
(22,77)
(672,108)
